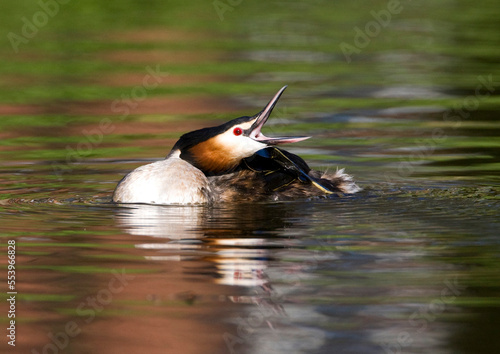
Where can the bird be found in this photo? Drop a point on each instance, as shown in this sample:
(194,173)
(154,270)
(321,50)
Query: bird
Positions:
(231,162)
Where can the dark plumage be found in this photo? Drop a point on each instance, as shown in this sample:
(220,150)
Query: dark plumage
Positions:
(188,140)
(276,174)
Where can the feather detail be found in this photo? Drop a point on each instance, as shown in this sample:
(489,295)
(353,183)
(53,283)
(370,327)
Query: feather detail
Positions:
(275,174)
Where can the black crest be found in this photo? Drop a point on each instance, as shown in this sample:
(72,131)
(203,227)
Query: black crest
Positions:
(190,139)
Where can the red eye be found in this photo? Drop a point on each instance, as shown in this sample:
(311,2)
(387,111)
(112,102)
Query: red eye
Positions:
(237,131)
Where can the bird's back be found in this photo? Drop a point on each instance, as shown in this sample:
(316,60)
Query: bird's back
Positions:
(275,174)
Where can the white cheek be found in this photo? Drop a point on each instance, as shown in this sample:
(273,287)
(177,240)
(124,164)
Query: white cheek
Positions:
(240,146)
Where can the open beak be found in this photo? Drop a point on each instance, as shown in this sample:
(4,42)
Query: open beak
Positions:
(261,119)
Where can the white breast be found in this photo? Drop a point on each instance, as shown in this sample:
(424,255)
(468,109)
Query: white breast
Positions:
(170,181)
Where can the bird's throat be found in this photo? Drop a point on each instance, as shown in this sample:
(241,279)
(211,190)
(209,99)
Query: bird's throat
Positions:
(211,158)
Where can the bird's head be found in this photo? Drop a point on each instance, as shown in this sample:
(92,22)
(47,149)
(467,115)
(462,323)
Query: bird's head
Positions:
(220,149)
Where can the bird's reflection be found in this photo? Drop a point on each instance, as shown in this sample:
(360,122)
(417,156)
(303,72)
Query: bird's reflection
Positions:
(167,222)
(236,240)
(236,243)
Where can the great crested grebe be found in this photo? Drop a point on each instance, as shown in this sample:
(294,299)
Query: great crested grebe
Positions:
(231,162)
